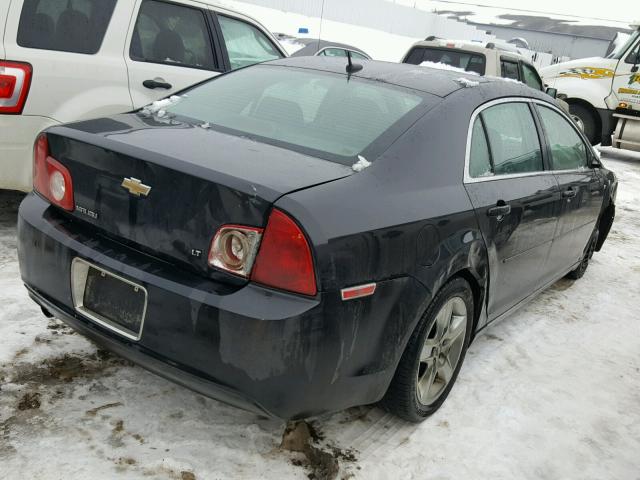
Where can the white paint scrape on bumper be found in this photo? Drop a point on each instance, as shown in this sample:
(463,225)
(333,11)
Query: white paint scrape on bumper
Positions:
(17,136)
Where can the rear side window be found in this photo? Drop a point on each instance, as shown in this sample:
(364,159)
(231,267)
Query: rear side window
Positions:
(172,34)
(513,139)
(568,151)
(76,26)
(509,70)
(246,44)
(531,77)
(480,159)
(471,62)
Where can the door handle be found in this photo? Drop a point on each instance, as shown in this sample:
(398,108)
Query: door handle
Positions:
(499,211)
(569,193)
(156,84)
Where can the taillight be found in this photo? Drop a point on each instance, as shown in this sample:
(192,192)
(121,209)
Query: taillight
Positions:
(234,248)
(284,260)
(50,178)
(15,80)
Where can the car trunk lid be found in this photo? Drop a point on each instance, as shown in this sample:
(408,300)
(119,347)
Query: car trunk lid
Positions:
(198,180)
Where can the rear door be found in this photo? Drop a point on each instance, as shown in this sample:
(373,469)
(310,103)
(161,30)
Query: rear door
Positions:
(169,47)
(75,49)
(581,187)
(515,199)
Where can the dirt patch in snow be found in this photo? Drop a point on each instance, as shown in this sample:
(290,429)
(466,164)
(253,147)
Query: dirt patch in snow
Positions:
(322,462)
(29,401)
(62,369)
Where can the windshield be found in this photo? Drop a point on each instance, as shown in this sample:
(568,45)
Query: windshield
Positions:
(468,61)
(324,114)
(621,49)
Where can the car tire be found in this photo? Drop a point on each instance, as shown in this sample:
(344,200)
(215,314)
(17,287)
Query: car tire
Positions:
(579,271)
(589,124)
(425,374)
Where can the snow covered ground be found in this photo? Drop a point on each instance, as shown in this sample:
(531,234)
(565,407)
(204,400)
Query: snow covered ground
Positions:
(551,393)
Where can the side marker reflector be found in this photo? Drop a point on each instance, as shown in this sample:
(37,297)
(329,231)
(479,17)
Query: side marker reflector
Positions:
(358,292)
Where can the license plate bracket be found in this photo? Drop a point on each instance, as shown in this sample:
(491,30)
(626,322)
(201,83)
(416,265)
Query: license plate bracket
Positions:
(108,299)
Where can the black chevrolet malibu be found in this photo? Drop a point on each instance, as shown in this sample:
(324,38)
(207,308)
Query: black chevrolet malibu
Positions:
(298,237)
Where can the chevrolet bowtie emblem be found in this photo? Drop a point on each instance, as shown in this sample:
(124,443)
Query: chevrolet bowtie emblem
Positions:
(136,187)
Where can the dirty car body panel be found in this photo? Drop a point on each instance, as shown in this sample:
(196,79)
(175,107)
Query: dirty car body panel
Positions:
(406,223)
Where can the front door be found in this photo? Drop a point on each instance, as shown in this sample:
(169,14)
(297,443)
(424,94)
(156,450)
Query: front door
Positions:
(170,46)
(626,83)
(581,189)
(515,199)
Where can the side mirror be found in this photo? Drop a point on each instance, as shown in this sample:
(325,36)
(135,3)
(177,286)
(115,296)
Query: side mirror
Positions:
(552,92)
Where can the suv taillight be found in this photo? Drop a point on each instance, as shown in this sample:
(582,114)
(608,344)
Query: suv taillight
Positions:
(284,260)
(51,179)
(15,80)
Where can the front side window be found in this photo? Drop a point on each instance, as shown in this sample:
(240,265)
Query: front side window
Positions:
(323,114)
(171,34)
(468,61)
(531,77)
(76,26)
(509,70)
(246,44)
(513,139)
(568,151)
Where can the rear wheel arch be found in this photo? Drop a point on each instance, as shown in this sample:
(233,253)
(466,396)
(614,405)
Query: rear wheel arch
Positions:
(477,291)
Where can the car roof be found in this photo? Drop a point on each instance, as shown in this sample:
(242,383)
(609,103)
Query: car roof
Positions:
(433,81)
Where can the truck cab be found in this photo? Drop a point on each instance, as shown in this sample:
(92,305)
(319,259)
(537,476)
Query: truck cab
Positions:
(601,90)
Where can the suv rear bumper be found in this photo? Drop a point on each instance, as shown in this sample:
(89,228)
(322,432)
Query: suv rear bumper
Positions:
(17,135)
(258,349)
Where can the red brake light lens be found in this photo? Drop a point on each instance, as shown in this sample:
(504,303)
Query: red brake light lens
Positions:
(15,80)
(284,260)
(50,178)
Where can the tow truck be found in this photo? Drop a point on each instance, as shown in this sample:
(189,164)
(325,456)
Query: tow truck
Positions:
(604,93)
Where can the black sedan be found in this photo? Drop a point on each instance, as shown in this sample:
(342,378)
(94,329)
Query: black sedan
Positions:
(298,237)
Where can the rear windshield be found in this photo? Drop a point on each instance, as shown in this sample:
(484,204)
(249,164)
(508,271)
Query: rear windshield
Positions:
(469,61)
(319,113)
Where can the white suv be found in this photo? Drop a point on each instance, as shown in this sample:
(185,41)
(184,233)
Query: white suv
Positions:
(66,60)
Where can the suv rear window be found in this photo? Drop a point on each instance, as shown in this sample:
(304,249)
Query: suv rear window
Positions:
(322,114)
(76,26)
(469,61)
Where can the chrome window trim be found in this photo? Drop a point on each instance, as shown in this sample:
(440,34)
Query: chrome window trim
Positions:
(79,272)
(467,176)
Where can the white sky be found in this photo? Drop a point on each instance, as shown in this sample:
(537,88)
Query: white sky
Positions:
(623,11)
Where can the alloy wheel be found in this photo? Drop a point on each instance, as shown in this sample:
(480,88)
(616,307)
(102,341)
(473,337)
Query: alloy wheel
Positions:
(442,350)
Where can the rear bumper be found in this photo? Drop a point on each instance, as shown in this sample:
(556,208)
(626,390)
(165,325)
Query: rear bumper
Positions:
(17,136)
(261,350)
